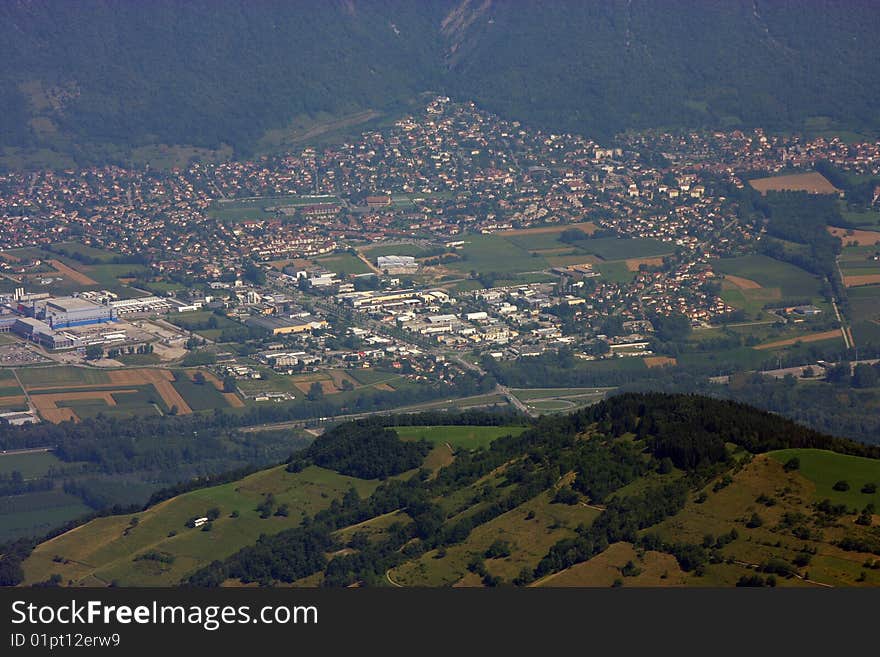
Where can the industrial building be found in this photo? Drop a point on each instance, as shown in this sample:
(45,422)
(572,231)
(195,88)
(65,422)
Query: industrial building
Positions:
(397,264)
(286,325)
(65,312)
(41,333)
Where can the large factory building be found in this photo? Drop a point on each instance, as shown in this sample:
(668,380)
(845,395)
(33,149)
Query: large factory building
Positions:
(64,312)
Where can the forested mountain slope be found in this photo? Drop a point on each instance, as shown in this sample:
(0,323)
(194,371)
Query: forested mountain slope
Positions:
(98,77)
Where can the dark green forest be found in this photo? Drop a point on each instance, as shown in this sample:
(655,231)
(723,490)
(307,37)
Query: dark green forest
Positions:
(97,78)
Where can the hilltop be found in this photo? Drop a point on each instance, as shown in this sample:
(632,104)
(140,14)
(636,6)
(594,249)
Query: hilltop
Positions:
(106,80)
(639,489)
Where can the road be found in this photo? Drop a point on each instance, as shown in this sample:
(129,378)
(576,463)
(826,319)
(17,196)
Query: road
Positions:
(418,408)
(27,397)
(32,450)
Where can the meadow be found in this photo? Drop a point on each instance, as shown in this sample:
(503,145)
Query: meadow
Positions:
(112,541)
(465,437)
(30,465)
(825,469)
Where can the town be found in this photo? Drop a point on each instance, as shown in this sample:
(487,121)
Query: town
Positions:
(451,237)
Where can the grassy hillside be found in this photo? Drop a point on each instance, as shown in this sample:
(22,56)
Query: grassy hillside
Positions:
(106,549)
(649,490)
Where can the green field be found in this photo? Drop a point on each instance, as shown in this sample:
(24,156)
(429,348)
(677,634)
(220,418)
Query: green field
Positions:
(530,529)
(867,220)
(108,275)
(864,305)
(79,248)
(200,397)
(792,282)
(458,436)
(106,541)
(373,251)
(35,464)
(616,272)
(64,375)
(235,210)
(825,468)
(213,324)
(614,248)
(859,260)
(37,513)
(143,401)
(495,253)
(731,506)
(343,263)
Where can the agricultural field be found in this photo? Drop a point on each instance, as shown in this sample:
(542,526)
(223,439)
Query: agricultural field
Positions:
(112,541)
(613,248)
(33,514)
(63,393)
(856,237)
(332,382)
(495,253)
(864,305)
(824,469)
(108,276)
(464,437)
(30,465)
(867,219)
(860,265)
(813,183)
(759,280)
(199,396)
